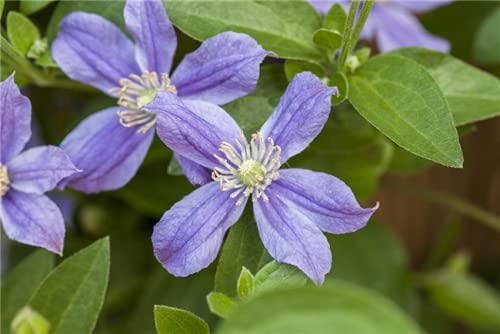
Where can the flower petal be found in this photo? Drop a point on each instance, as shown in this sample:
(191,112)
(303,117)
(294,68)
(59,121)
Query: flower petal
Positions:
(93,50)
(397,28)
(421,6)
(154,34)
(15,120)
(189,235)
(108,153)
(291,237)
(326,200)
(193,129)
(33,220)
(300,115)
(195,173)
(40,169)
(224,68)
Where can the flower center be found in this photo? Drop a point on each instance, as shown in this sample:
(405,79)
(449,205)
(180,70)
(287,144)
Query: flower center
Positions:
(137,91)
(249,168)
(4,180)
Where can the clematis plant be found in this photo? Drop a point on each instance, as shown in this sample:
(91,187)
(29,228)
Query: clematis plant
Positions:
(292,206)
(392,24)
(110,145)
(27,215)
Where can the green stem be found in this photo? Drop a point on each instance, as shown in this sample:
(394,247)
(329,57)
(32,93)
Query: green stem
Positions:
(365,11)
(452,202)
(353,9)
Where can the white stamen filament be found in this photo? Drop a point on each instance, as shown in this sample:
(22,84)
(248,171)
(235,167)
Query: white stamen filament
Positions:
(137,91)
(249,168)
(4,180)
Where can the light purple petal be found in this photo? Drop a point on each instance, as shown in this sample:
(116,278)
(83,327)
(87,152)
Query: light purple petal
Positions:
(189,235)
(421,6)
(397,28)
(224,68)
(292,237)
(15,120)
(300,115)
(40,169)
(193,129)
(33,220)
(93,50)
(195,173)
(326,200)
(154,34)
(108,153)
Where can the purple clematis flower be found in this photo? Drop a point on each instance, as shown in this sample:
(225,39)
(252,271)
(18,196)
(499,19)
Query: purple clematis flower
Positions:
(292,206)
(109,146)
(27,215)
(393,23)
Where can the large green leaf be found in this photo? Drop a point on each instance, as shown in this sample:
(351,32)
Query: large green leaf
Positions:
(20,284)
(72,295)
(337,307)
(276,275)
(285,27)
(472,94)
(170,320)
(29,7)
(242,248)
(400,98)
(487,41)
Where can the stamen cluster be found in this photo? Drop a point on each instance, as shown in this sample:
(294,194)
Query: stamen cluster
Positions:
(137,91)
(249,168)
(4,180)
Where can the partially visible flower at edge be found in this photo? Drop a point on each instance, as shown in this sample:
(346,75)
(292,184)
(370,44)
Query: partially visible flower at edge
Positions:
(292,206)
(110,145)
(392,23)
(27,215)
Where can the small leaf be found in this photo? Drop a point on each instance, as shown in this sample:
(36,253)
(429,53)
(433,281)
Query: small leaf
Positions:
(28,321)
(72,295)
(220,304)
(20,284)
(401,99)
(245,284)
(335,19)
(339,80)
(363,54)
(327,39)
(170,320)
(274,276)
(21,31)
(29,7)
(174,168)
(293,67)
(472,94)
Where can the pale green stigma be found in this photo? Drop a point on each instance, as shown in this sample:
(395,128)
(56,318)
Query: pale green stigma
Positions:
(4,180)
(137,91)
(249,168)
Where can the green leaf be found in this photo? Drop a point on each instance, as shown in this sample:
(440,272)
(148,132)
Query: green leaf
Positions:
(327,39)
(20,284)
(170,320)
(28,7)
(337,307)
(293,67)
(335,18)
(250,112)
(2,3)
(487,41)
(339,80)
(242,248)
(472,94)
(28,321)
(112,10)
(274,276)
(21,31)
(72,295)
(282,27)
(465,297)
(220,304)
(400,98)
(245,284)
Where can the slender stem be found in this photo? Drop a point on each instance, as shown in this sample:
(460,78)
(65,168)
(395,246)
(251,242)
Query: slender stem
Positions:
(363,16)
(353,9)
(452,202)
